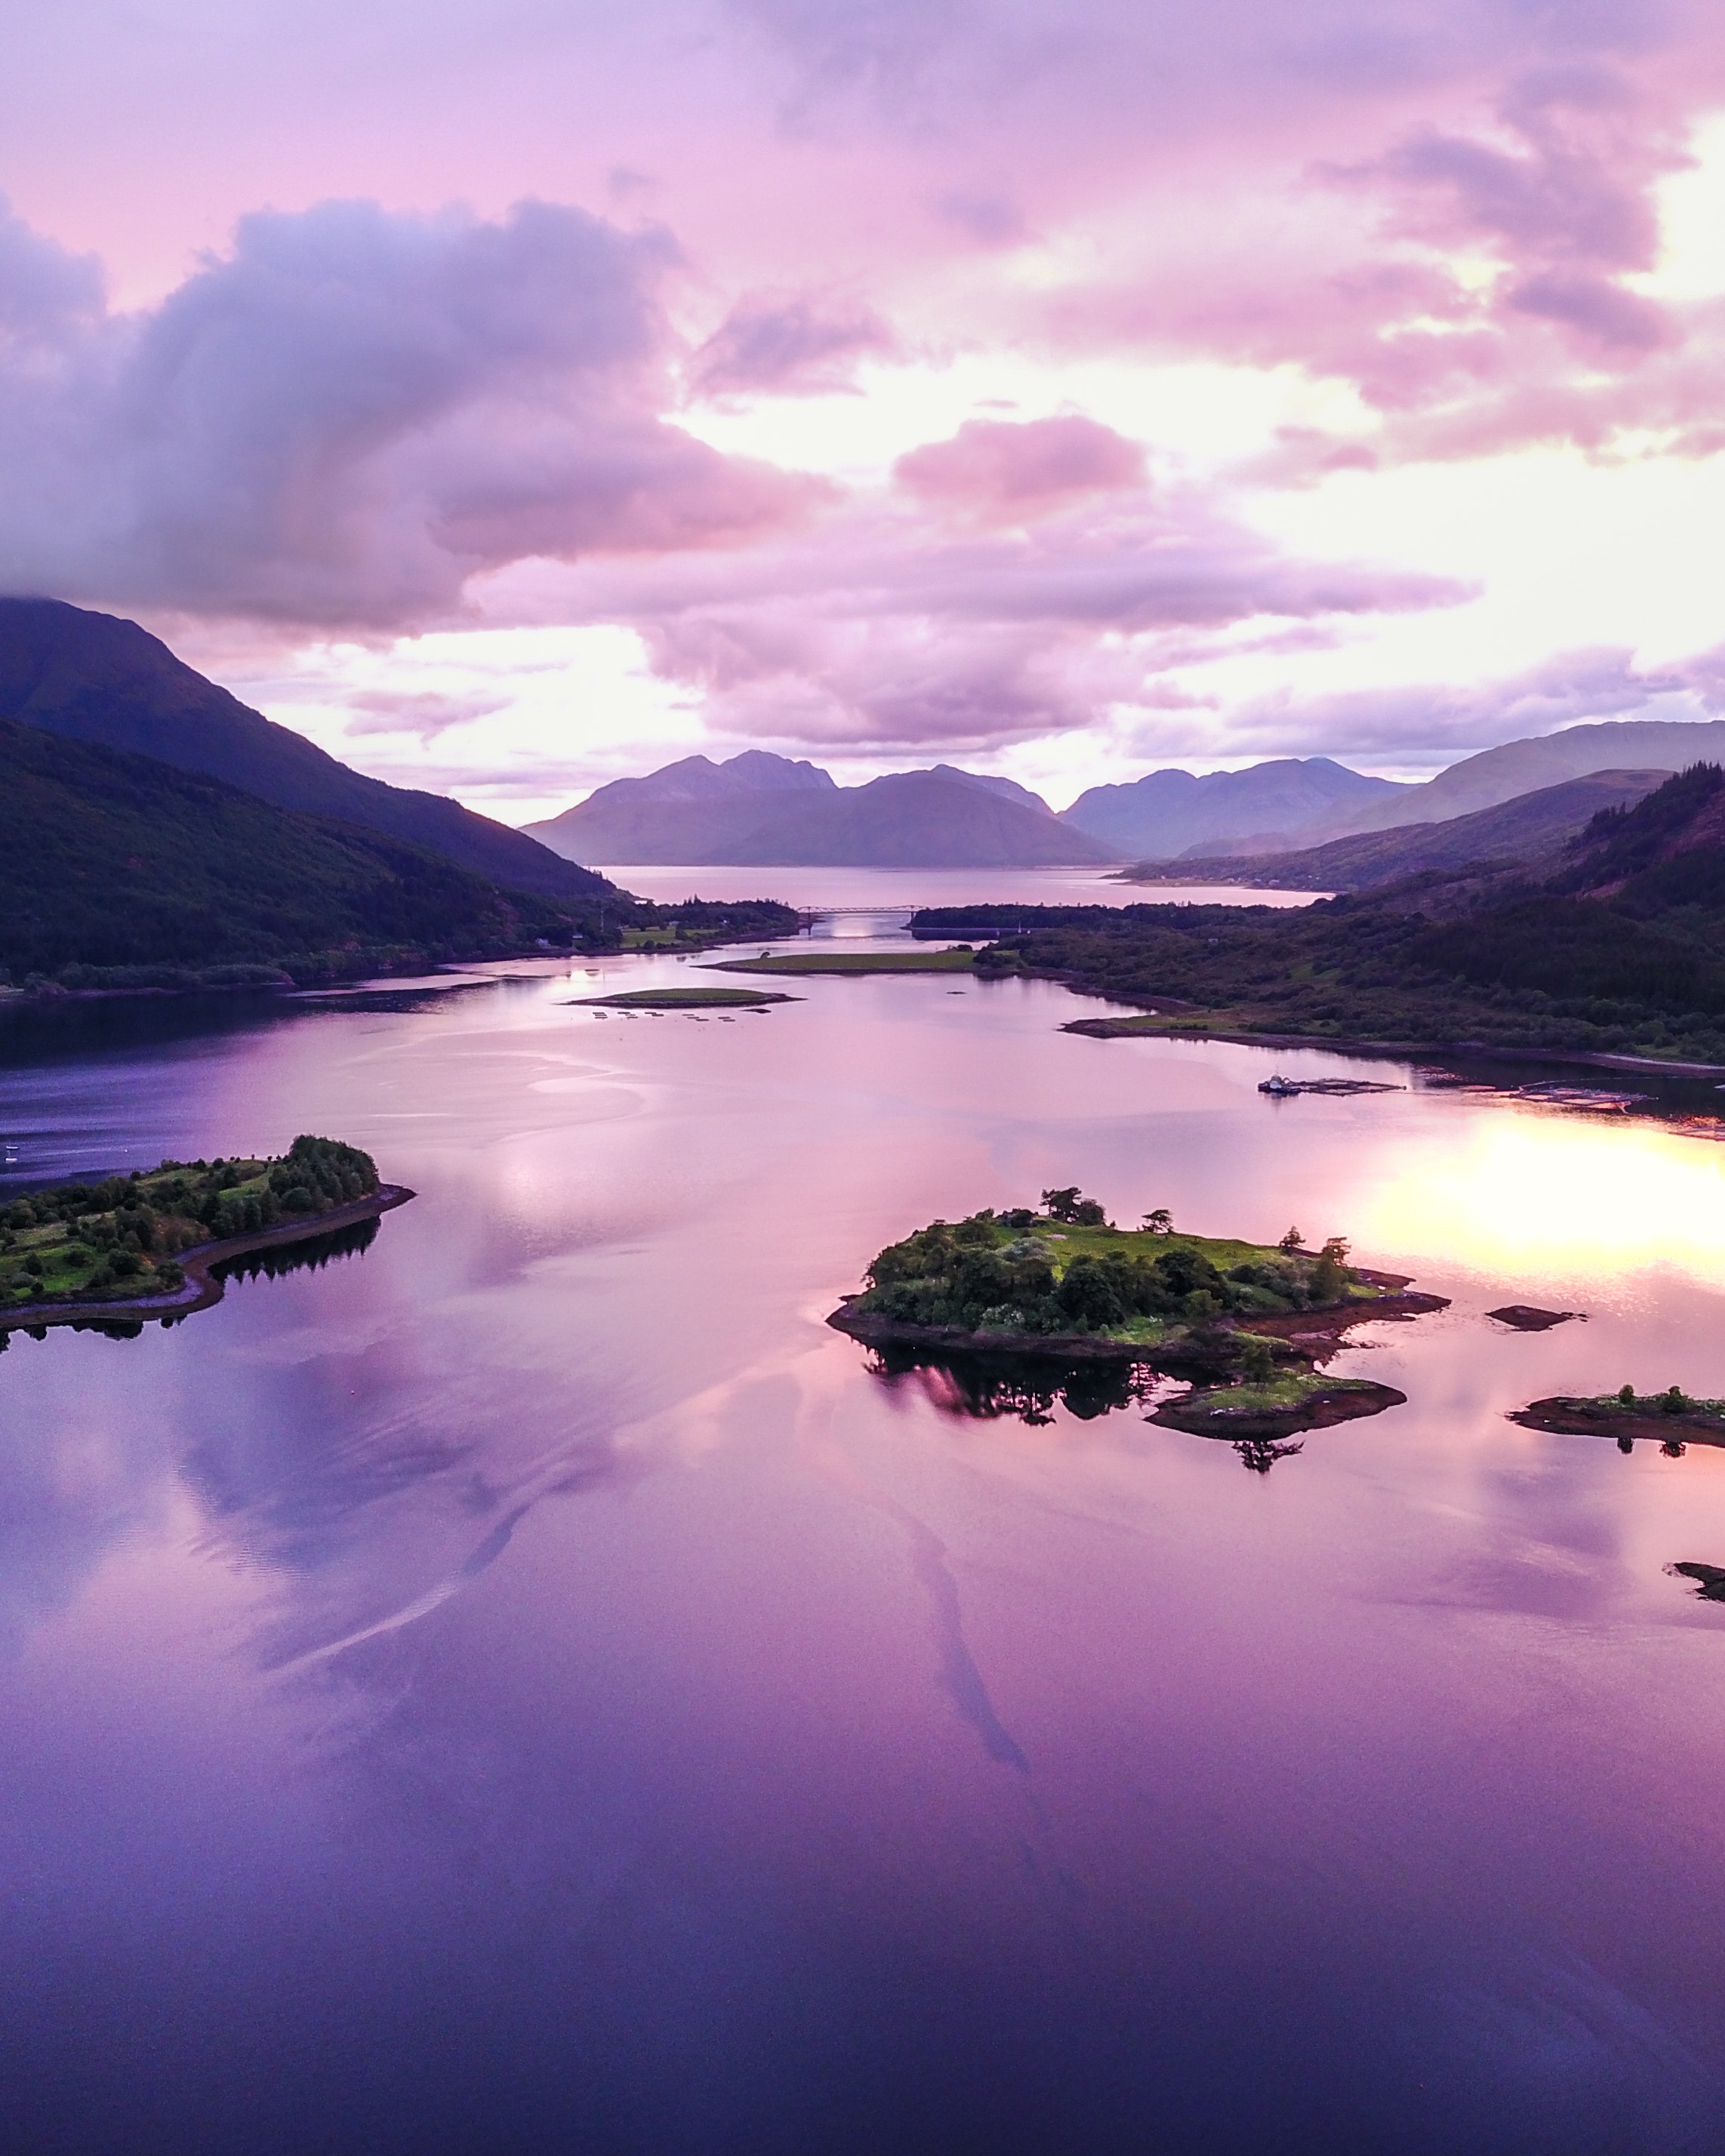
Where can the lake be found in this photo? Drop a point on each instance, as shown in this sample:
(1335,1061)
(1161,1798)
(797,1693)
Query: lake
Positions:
(529,1685)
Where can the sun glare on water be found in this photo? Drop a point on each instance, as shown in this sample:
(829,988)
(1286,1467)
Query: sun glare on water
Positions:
(1539,1192)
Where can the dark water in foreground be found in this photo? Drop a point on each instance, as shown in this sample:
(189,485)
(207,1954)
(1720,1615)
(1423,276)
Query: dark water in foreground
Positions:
(527,1687)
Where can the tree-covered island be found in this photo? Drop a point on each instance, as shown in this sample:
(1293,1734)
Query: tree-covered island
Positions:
(83,1249)
(1066,1282)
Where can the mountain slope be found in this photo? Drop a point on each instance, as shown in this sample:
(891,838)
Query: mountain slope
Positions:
(1271,805)
(92,677)
(938,818)
(1520,833)
(108,859)
(1521,767)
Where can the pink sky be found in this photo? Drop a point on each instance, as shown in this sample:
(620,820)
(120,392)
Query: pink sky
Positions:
(512,395)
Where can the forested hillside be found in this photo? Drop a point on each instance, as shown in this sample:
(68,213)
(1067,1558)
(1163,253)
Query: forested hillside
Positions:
(109,860)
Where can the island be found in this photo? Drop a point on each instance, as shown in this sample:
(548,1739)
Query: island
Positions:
(850,965)
(151,1243)
(1249,1322)
(1672,1419)
(681,1000)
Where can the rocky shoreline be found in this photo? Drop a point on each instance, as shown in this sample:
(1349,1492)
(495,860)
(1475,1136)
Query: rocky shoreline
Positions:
(1572,1417)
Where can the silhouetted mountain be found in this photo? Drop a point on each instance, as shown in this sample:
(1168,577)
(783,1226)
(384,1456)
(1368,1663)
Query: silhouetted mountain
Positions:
(1008,789)
(1521,767)
(938,818)
(1521,834)
(698,779)
(1269,806)
(92,677)
(108,859)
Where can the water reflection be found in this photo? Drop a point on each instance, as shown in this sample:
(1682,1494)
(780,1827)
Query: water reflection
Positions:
(311,1254)
(987,1387)
(1031,1389)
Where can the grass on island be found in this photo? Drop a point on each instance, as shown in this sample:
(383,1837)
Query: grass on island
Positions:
(961,961)
(1069,1270)
(1672,1401)
(685,999)
(124,1236)
(1287,1389)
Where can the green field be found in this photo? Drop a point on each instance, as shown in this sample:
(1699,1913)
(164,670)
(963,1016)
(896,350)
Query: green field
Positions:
(125,1236)
(961,961)
(683,1000)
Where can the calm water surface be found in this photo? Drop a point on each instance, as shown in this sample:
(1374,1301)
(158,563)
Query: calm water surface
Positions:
(899,890)
(529,1686)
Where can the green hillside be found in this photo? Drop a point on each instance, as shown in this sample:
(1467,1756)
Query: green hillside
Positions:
(109,860)
(1622,951)
(1531,830)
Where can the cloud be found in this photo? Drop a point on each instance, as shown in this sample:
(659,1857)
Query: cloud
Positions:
(787,346)
(878,630)
(1000,470)
(352,414)
(425,713)
(991,220)
(1566,689)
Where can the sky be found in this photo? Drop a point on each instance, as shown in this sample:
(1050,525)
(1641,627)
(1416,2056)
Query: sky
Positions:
(513,394)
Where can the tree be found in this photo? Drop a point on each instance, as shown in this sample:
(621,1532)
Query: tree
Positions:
(1292,1241)
(1161,1222)
(1068,1206)
(1330,1275)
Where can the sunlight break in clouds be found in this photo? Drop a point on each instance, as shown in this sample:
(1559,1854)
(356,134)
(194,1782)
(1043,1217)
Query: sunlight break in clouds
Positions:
(1072,387)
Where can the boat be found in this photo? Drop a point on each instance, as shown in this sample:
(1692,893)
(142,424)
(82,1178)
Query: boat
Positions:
(1282,1088)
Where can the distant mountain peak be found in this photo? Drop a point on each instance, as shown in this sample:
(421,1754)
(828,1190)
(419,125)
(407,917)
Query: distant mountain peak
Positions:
(1290,800)
(695,813)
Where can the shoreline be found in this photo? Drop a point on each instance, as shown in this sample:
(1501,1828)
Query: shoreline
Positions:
(1304,1330)
(201,1290)
(1397,1051)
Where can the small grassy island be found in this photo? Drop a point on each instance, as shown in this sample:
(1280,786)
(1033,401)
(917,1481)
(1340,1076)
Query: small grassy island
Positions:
(852,964)
(146,1242)
(1248,1321)
(1670,1419)
(679,998)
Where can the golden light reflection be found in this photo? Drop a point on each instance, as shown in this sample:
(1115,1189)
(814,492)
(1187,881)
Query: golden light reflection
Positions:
(1548,1193)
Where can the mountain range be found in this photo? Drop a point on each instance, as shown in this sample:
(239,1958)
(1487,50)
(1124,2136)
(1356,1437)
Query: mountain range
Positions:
(1265,809)
(759,809)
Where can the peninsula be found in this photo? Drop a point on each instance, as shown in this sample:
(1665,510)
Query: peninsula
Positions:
(146,1244)
(1250,1321)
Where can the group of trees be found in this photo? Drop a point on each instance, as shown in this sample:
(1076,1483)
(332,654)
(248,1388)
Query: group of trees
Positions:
(89,1237)
(993,1272)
